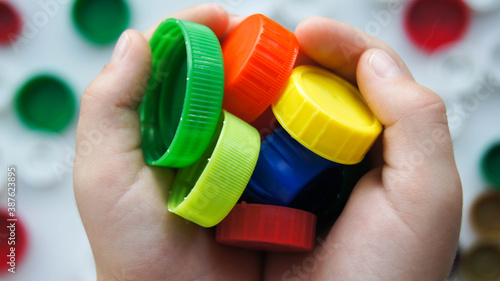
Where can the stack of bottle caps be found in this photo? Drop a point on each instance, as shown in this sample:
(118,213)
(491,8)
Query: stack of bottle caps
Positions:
(196,116)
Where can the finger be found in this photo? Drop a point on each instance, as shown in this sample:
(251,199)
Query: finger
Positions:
(412,203)
(108,136)
(304,59)
(420,175)
(211,15)
(338,46)
(234,20)
(108,111)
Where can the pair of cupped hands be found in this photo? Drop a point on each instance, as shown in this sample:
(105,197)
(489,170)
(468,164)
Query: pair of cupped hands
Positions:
(402,221)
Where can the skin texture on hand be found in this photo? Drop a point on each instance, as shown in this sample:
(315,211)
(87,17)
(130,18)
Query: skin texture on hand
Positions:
(402,220)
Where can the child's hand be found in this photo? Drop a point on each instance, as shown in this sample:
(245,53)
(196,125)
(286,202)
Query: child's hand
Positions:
(119,197)
(401,222)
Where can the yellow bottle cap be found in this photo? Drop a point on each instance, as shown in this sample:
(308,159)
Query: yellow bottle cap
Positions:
(327,115)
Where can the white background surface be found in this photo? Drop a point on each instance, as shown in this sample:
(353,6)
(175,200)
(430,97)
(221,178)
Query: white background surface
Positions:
(59,249)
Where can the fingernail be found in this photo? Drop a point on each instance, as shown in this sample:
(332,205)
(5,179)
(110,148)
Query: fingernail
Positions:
(121,48)
(384,66)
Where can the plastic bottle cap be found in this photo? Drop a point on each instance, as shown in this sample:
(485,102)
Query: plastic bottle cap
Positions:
(259,55)
(455,72)
(45,103)
(488,50)
(10,23)
(205,192)
(482,262)
(183,101)
(334,206)
(22,241)
(317,195)
(101,21)
(490,165)
(433,23)
(327,115)
(38,160)
(268,228)
(266,123)
(284,168)
(485,215)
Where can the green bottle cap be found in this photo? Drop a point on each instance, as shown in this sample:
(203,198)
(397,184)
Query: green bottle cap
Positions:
(45,103)
(490,165)
(101,21)
(183,101)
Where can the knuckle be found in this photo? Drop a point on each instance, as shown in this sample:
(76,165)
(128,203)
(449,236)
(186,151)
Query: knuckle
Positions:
(214,9)
(427,101)
(96,90)
(424,102)
(89,99)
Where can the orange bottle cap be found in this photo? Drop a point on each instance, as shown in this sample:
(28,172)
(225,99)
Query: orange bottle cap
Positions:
(259,55)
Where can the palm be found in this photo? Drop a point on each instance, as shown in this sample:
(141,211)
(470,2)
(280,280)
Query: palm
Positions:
(372,224)
(177,249)
(133,235)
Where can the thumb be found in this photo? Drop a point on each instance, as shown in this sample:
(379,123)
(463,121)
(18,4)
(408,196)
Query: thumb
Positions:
(108,112)
(416,138)
(419,178)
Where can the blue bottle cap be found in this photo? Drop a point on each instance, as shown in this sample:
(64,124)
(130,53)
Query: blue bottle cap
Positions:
(284,168)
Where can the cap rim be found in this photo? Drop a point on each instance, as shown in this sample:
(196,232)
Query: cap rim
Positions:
(284,168)
(202,94)
(312,125)
(484,226)
(82,9)
(427,41)
(23,240)
(489,161)
(268,228)
(468,267)
(25,107)
(223,179)
(14,27)
(264,73)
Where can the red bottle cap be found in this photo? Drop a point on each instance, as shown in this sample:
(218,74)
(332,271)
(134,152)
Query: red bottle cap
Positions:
(259,55)
(431,24)
(268,228)
(10,23)
(14,242)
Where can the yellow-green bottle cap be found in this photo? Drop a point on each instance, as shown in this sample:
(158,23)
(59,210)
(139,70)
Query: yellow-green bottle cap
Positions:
(207,191)
(327,115)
